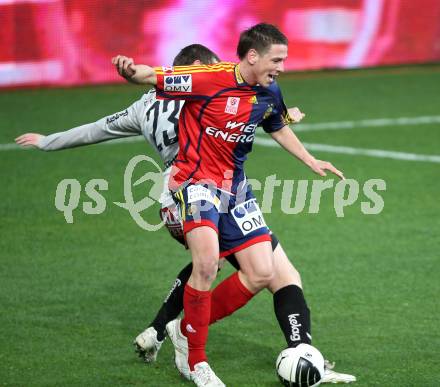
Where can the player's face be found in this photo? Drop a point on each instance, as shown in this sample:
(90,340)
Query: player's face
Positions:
(269,65)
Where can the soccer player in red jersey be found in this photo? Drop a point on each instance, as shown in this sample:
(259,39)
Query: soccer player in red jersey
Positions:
(224,105)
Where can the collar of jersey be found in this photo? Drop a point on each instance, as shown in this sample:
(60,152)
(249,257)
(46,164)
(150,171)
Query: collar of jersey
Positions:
(238,78)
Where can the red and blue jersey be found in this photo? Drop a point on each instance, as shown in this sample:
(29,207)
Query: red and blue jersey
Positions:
(218,121)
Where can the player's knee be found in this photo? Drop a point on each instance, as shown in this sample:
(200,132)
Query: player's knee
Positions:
(264,278)
(261,278)
(206,268)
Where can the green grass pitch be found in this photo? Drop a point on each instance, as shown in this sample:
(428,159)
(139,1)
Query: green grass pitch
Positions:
(73,296)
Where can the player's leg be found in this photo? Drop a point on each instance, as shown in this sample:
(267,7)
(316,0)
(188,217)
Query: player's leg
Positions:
(280,277)
(203,244)
(200,207)
(174,330)
(237,290)
(292,312)
(253,251)
(230,295)
(149,342)
(227,297)
(290,306)
(173,303)
(243,232)
(256,266)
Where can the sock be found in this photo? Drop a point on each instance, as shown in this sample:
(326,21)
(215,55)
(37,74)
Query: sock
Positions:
(228,296)
(293,315)
(173,304)
(197,307)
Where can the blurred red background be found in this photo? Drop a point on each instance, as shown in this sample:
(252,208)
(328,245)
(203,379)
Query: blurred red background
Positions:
(55,42)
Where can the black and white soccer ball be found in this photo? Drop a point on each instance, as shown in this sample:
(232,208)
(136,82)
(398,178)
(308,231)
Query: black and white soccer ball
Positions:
(302,366)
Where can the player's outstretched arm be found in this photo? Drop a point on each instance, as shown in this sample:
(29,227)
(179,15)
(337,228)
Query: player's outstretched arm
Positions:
(119,125)
(30,140)
(139,74)
(290,142)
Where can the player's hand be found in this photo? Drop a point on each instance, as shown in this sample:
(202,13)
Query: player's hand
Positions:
(139,74)
(29,139)
(296,114)
(125,66)
(319,167)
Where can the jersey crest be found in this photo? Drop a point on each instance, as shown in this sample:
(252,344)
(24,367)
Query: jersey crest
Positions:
(232,105)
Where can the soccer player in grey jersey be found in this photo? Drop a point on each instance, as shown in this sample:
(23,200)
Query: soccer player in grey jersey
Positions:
(157,121)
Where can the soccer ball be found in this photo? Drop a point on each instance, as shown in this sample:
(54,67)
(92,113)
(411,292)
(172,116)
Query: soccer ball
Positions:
(302,366)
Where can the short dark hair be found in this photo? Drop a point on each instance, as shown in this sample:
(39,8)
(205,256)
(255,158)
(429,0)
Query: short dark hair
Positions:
(259,37)
(193,52)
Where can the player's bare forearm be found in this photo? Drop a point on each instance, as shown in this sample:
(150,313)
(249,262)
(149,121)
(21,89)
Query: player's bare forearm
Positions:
(288,140)
(139,74)
(291,143)
(143,75)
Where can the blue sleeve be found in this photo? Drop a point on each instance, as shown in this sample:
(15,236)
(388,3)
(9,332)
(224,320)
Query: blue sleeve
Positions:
(276,116)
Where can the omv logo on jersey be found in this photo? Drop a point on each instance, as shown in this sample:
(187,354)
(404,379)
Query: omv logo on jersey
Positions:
(248,216)
(181,83)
